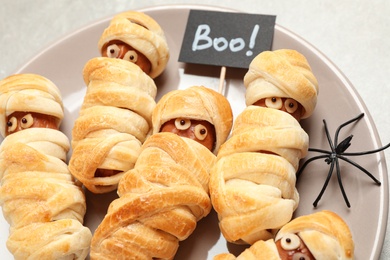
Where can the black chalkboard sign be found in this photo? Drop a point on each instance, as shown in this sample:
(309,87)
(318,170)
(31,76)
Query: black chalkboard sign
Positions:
(226,38)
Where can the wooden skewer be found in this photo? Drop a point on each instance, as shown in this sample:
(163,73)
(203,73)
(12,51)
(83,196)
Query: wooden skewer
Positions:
(222,79)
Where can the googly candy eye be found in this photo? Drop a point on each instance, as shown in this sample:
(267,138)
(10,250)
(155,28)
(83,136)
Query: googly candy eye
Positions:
(113,51)
(290,242)
(200,132)
(182,124)
(12,124)
(27,121)
(274,102)
(290,105)
(131,56)
(300,256)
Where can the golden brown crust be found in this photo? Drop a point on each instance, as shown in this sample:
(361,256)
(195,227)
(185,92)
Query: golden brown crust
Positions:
(114,121)
(259,129)
(254,195)
(61,239)
(282,73)
(119,73)
(198,103)
(38,193)
(252,185)
(259,250)
(39,197)
(325,233)
(141,32)
(43,97)
(162,198)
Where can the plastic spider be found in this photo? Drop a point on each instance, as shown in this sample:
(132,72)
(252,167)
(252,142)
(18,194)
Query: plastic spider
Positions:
(338,152)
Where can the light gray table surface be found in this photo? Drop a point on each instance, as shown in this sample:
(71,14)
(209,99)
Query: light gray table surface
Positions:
(353,34)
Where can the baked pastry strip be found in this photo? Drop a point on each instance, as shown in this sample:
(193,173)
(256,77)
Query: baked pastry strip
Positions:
(166,193)
(319,235)
(114,121)
(40,199)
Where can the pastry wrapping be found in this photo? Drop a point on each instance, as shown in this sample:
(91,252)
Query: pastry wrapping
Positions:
(199,103)
(282,73)
(40,199)
(141,32)
(259,129)
(166,193)
(114,121)
(262,249)
(162,198)
(325,235)
(115,117)
(252,185)
(42,96)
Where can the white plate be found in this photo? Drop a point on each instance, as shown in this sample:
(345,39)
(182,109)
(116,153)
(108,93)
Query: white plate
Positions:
(338,101)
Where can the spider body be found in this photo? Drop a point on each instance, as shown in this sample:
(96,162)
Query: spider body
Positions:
(337,151)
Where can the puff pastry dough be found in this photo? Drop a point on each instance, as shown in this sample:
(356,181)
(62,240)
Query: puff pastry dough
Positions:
(141,32)
(42,95)
(114,121)
(198,103)
(166,193)
(282,73)
(39,197)
(252,185)
(325,234)
(259,250)
(160,201)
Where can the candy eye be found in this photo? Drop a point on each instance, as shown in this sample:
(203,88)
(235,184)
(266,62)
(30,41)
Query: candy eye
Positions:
(131,56)
(291,105)
(300,256)
(200,132)
(274,102)
(12,124)
(290,242)
(113,51)
(182,124)
(27,121)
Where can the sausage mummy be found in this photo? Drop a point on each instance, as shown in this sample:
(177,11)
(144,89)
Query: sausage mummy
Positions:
(39,197)
(114,121)
(325,235)
(166,193)
(320,235)
(115,117)
(136,37)
(252,185)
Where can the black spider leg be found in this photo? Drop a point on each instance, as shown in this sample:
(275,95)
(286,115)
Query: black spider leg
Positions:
(326,155)
(368,152)
(338,149)
(341,183)
(338,152)
(315,203)
(332,159)
(329,157)
(336,136)
(364,153)
(360,168)
(342,155)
